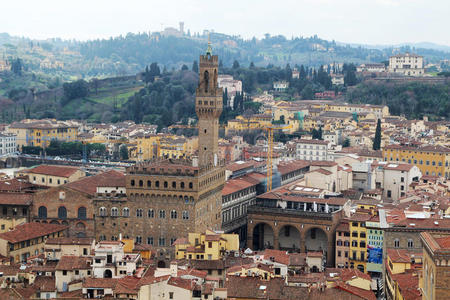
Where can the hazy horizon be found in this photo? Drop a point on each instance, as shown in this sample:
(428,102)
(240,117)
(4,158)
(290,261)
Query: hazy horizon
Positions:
(374,22)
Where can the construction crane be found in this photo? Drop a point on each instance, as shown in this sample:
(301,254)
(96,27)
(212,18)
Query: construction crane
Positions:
(270,130)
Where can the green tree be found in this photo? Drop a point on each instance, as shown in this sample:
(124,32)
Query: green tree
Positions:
(184,68)
(307,92)
(17,66)
(76,89)
(123,152)
(195,67)
(225,98)
(346,143)
(236,65)
(377,140)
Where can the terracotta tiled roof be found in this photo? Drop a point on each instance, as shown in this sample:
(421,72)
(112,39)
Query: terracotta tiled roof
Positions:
(297,259)
(15,185)
(364,294)
(192,272)
(212,237)
(186,284)
(437,242)
(279,256)
(99,282)
(31,230)
(235,185)
(181,241)
(399,255)
(69,241)
(69,263)
(52,170)
(360,217)
(349,274)
(15,199)
(45,283)
(314,254)
(408,284)
(89,184)
(11,270)
(240,166)
(291,166)
(323,163)
(441,224)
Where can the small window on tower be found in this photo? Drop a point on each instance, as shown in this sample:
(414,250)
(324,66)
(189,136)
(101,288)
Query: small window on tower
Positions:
(206,79)
(205,130)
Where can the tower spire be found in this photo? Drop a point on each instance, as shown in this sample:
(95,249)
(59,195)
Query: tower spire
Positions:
(209,50)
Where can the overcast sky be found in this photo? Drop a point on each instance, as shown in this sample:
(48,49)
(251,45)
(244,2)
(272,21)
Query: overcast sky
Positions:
(352,21)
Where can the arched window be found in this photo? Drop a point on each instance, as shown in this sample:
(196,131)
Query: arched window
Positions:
(82,213)
(410,243)
(138,239)
(182,185)
(173,214)
(174,184)
(132,182)
(162,214)
(139,213)
(42,212)
(157,183)
(165,184)
(62,212)
(126,212)
(80,226)
(396,243)
(191,185)
(141,183)
(151,213)
(206,80)
(185,215)
(114,212)
(149,183)
(102,211)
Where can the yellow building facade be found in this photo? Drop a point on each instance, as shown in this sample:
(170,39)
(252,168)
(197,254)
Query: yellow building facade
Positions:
(431,160)
(253,122)
(358,241)
(39,133)
(206,246)
(169,146)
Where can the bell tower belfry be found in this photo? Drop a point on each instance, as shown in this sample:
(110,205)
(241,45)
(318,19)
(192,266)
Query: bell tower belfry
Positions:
(208,106)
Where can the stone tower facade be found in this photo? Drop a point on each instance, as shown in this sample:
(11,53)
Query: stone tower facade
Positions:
(168,198)
(208,106)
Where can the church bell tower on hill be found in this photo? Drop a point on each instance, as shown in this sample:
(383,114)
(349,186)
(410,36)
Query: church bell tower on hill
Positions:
(208,106)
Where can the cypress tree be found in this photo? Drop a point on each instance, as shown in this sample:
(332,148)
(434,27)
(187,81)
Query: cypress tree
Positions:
(377,139)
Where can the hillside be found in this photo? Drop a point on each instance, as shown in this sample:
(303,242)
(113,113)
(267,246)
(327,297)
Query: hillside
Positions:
(131,53)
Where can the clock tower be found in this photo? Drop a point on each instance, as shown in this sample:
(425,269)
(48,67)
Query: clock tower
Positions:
(208,106)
